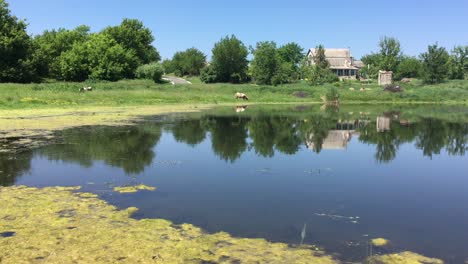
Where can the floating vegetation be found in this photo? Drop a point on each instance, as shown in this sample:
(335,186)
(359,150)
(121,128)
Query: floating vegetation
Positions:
(133,189)
(379,242)
(92,231)
(351,219)
(406,257)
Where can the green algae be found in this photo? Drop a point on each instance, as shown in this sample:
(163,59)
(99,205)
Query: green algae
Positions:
(56,225)
(379,242)
(406,257)
(133,189)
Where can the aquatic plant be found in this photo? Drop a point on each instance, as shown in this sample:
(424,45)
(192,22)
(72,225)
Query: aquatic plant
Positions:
(406,257)
(379,242)
(133,189)
(55,225)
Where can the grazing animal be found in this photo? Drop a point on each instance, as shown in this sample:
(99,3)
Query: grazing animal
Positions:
(242,96)
(86,89)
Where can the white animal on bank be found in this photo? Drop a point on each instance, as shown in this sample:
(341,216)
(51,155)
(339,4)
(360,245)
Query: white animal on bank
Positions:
(242,96)
(86,89)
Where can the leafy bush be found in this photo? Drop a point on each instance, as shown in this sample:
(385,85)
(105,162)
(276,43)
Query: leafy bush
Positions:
(152,71)
(319,76)
(208,75)
(189,62)
(100,58)
(229,60)
(409,67)
(435,64)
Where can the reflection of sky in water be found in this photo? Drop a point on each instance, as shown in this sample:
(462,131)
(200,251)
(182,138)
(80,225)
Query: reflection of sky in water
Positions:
(417,202)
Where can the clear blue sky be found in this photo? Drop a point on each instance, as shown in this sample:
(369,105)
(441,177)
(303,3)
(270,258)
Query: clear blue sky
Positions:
(181,24)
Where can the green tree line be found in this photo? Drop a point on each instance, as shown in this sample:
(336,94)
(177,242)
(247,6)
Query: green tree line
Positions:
(126,51)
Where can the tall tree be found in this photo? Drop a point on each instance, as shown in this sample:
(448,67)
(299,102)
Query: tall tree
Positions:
(51,44)
(390,53)
(291,53)
(188,62)
(320,59)
(459,63)
(131,34)
(435,62)
(15,48)
(265,62)
(409,67)
(229,60)
(99,58)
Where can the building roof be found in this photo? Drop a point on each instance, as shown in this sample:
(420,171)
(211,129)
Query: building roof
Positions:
(339,59)
(334,53)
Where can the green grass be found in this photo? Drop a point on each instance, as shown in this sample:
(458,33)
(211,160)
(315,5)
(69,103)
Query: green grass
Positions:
(145,92)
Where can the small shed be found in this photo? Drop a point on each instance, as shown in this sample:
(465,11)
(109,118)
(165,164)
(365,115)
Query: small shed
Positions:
(385,77)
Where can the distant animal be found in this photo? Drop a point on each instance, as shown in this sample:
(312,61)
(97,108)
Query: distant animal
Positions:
(351,89)
(86,89)
(242,96)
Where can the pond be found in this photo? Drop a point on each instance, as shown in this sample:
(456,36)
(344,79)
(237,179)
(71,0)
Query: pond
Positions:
(295,174)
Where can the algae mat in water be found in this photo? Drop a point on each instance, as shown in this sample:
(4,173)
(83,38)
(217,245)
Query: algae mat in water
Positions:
(56,225)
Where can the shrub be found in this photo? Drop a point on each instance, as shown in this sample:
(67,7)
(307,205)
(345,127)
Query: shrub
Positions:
(208,75)
(152,71)
(319,76)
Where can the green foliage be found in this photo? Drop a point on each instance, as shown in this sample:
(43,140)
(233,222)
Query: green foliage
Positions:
(458,63)
(132,35)
(98,58)
(229,60)
(189,62)
(390,53)
(320,76)
(265,62)
(320,59)
(435,62)
(209,75)
(168,66)
(285,73)
(409,67)
(291,53)
(373,65)
(275,66)
(15,48)
(332,94)
(387,59)
(153,71)
(51,44)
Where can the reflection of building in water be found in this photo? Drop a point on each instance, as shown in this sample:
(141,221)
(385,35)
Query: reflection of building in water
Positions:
(336,139)
(339,137)
(383,124)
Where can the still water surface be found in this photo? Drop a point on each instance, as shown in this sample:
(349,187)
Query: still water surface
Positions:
(342,177)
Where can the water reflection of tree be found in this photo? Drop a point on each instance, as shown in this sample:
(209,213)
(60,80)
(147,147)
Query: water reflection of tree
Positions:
(287,139)
(432,137)
(129,147)
(262,133)
(13,165)
(228,137)
(457,140)
(190,131)
(314,130)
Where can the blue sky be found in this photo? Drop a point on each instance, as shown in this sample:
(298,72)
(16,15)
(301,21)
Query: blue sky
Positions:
(181,24)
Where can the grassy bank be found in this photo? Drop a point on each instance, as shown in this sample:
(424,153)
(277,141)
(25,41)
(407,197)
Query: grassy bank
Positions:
(145,92)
